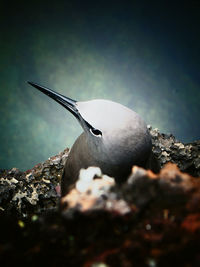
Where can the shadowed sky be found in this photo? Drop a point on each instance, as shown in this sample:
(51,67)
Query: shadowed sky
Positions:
(145,56)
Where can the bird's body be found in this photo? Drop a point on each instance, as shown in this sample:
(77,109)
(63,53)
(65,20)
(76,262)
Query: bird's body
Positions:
(125,141)
(115,138)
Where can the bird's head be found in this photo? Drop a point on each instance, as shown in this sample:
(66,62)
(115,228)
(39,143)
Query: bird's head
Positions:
(109,126)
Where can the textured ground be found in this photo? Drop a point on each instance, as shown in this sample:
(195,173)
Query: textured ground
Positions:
(152,220)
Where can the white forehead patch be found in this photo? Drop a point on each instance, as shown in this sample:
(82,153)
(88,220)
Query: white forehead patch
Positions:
(103,114)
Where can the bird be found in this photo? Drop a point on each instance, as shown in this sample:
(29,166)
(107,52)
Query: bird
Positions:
(114,138)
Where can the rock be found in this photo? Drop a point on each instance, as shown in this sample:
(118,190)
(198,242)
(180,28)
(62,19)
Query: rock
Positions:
(167,149)
(40,185)
(33,191)
(150,220)
(93,193)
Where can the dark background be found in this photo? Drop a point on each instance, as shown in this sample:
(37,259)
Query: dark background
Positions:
(143,55)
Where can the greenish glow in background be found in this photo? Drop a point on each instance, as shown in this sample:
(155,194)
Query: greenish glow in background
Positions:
(143,56)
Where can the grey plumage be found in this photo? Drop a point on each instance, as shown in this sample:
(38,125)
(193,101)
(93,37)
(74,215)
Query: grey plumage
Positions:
(114,138)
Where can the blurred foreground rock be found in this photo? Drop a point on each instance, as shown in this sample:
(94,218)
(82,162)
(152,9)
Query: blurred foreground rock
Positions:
(151,220)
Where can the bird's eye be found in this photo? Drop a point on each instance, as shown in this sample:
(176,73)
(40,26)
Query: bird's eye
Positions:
(96,132)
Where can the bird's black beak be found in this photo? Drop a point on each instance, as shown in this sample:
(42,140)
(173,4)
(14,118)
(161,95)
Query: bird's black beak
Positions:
(66,102)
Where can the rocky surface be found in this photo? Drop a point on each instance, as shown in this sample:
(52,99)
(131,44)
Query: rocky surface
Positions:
(33,191)
(167,149)
(151,220)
